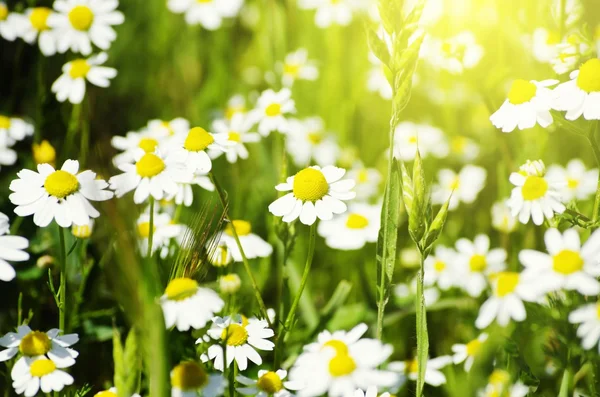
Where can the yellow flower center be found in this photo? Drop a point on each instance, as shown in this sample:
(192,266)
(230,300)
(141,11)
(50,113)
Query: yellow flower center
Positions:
(499,377)
(413,139)
(310,185)
(356,221)
(459,143)
(188,376)
(79,68)
(291,69)
(535,187)
(83,231)
(477,263)
(181,288)
(235,335)
(220,258)
(61,183)
(233,109)
(44,153)
(106,393)
(572,183)
(439,266)
(4,121)
(363,176)
(455,184)
(273,110)
(341,365)
(148,145)
(35,343)
(315,137)
(340,347)
(589,76)
(567,262)
(197,140)
(144,229)
(412,366)
(506,282)
(242,228)
(81,17)
(3,11)
(598,310)
(234,136)
(41,368)
(39,17)
(553,37)
(270,383)
(521,91)
(473,347)
(149,165)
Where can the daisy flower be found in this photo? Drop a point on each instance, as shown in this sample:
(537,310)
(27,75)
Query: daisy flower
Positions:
(371,392)
(581,95)
(148,140)
(329,12)
(185,304)
(464,186)
(83,231)
(475,261)
(588,318)
(407,292)
(455,54)
(366,181)
(176,126)
(466,353)
(353,229)
(208,13)
(185,193)
(7,155)
(241,338)
(219,256)
(534,195)
(377,80)
(297,66)
(35,373)
(236,130)
(578,183)
(464,147)
(528,103)
(80,23)
(9,29)
(192,149)
(516,390)
(307,139)
(544,44)
(14,129)
(340,362)
(502,219)
(252,244)
(269,383)
(165,230)
(112,392)
(271,109)
(235,104)
(433,375)
(569,53)
(189,379)
(408,137)
(440,268)
(43,152)
(71,84)
(315,192)
(34,25)
(151,175)
(567,265)
(229,283)
(11,249)
(62,195)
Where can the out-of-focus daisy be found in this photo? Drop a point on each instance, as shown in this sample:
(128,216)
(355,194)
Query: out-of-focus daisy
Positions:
(148,139)
(440,268)
(467,352)
(229,283)
(307,140)
(9,21)
(185,192)
(454,54)
(235,104)
(151,175)
(315,193)
(410,136)
(475,260)
(271,110)
(83,231)
(544,44)
(189,379)
(568,54)
(241,339)
(517,390)
(7,155)
(502,219)
(588,318)
(578,183)
(329,12)
(35,373)
(71,84)
(112,392)
(14,129)
(433,375)
(567,265)
(464,148)
(252,244)
(236,130)
(165,230)
(377,80)
(185,304)
(192,149)
(534,195)
(297,66)
(43,152)
(178,125)
(581,95)
(353,229)
(34,25)
(528,103)
(219,256)
(208,13)
(63,195)
(464,186)
(269,383)
(366,180)
(406,293)
(80,23)
(11,249)
(371,392)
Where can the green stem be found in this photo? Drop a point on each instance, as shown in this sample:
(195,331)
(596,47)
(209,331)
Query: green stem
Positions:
(63,281)
(151,227)
(85,136)
(422,335)
(72,130)
(596,149)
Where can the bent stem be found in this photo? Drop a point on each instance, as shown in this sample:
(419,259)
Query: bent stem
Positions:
(63,281)
(151,227)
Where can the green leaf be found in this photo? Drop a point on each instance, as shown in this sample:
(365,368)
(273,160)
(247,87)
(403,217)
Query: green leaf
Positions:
(564,384)
(131,360)
(417,220)
(119,376)
(378,47)
(435,229)
(422,336)
(407,188)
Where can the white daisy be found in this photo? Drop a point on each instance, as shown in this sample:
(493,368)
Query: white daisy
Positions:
(581,95)
(83,231)
(371,392)
(208,13)
(7,155)
(235,104)
(236,130)
(165,231)
(189,379)
(148,139)
(14,129)
(192,149)
(409,137)
(377,80)
(505,390)
(241,338)
(366,181)
(34,25)
(185,304)
(475,261)
(271,110)
(454,54)
(578,183)
(9,23)
(464,186)
(252,244)
(353,229)
(464,147)
(544,44)
(406,293)
(229,283)
(502,219)
(63,195)
(467,352)
(433,375)
(588,318)
(307,140)
(11,249)
(269,383)
(440,268)
(567,265)
(185,192)
(297,66)
(112,392)
(534,195)
(151,175)
(80,23)
(35,373)
(568,53)
(315,192)
(219,256)
(329,12)
(176,126)
(71,84)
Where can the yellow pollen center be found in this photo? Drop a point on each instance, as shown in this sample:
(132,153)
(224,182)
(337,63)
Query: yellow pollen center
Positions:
(535,187)
(310,185)
(499,377)
(356,221)
(363,176)
(572,183)
(234,335)
(315,137)
(273,110)
(144,229)
(44,153)
(188,376)
(4,121)
(81,17)
(242,228)
(148,145)
(340,347)
(341,365)
(106,393)
(233,109)
(521,91)
(439,266)
(567,262)
(598,310)
(83,231)
(270,383)
(35,343)
(181,288)
(149,165)
(39,17)
(459,143)
(3,12)
(291,69)
(203,1)
(589,76)
(506,282)
(197,140)
(455,184)
(413,139)
(61,183)
(79,68)
(234,136)
(473,347)
(41,368)
(553,38)
(477,263)
(412,366)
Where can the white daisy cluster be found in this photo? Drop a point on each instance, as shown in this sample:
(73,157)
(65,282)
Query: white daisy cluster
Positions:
(12,130)
(207,13)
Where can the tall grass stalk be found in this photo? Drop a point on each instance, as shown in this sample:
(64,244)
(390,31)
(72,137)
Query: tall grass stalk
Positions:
(62,308)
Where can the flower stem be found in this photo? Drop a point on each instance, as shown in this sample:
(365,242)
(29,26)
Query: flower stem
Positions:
(151,227)
(596,149)
(63,281)
(72,130)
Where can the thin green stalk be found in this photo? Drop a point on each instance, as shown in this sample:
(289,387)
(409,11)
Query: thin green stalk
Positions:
(63,281)
(596,149)
(422,335)
(72,130)
(151,227)
(85,136)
